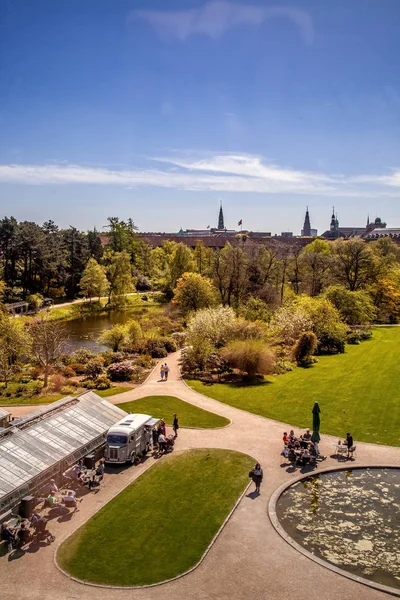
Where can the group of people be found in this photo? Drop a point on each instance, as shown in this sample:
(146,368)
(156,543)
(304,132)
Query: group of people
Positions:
(160,440)
(164,370)
(24,531)
(88,477)
(301,450)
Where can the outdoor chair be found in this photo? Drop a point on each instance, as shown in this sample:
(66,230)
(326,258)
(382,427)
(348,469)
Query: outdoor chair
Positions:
(351,451)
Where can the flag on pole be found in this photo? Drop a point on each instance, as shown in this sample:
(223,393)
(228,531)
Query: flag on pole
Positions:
(240,222)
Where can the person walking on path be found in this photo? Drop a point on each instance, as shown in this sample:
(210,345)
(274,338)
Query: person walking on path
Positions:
(175,425)
(257,476)
(162,372)
(166,371)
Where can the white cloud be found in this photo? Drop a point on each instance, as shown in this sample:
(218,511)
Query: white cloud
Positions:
(220,173)
(216,17)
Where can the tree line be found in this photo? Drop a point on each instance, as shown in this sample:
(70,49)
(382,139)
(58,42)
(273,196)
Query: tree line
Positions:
(65,263)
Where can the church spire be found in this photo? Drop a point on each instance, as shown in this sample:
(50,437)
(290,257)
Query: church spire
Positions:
(221,218)
(307,225)
(333,220)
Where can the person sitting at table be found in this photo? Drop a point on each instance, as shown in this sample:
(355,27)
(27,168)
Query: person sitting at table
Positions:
(53,487)
(307,435)
(100,470)
(53,502)
(303,442)
(291,435)
(6,533)
(292,456)
(76,473)
(70,500)
(297,444)
(23,534)
(285,438)
(348,442)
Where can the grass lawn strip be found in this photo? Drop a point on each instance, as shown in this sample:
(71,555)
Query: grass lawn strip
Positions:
(357,391)
(161,525)
(164,407)
(21,401)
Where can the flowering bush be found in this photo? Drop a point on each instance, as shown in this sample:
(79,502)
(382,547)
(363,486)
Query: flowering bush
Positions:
(121,371)
(212,325)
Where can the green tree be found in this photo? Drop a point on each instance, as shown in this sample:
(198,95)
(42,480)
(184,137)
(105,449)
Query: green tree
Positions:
(181,262)
(355,263)
(193,291)
(305,347)
(113,338)
(14,343)
(230,274)
(119,275)
(93,281)
(355,308)
(36,301)
(256,309)
(315,260)
(134,331)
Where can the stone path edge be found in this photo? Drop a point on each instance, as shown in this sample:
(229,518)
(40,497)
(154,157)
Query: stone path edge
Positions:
(289,540)
(159,583)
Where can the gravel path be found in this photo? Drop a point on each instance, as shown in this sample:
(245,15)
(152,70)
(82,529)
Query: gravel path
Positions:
(249,559)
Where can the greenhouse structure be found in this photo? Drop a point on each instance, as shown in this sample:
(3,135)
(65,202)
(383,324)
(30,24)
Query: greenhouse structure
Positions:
(48,441)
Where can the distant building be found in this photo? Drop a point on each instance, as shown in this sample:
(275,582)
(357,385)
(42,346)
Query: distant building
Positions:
(287,234)
(335,231)
(221,225)
(306,231)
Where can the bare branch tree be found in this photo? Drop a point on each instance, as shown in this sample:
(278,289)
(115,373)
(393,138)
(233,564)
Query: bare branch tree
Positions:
(48,340)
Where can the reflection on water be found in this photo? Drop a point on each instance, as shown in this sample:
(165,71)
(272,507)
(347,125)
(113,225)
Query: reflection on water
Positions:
(84,332)
(350,519)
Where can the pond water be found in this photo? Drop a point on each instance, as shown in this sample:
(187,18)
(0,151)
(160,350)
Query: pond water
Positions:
(84,332)
(350,519)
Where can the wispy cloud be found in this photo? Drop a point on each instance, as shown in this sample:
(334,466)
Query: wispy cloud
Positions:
(216,17)
(220,173)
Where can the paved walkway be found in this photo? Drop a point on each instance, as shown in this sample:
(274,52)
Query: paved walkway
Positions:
(249,560)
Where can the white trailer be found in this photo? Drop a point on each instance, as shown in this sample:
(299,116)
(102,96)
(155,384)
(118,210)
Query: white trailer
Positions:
(128,437)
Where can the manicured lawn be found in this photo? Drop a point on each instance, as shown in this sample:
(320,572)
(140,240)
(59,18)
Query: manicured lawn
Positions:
(358,391)
(161,524)
(164,407)
(113,391)
(22,401)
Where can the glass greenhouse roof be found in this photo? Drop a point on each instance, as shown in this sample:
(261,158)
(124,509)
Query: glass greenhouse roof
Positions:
(49,435)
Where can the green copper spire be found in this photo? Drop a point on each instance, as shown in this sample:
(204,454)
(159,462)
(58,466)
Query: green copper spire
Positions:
(221,218)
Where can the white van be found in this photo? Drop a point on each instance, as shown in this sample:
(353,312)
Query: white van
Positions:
(128,437)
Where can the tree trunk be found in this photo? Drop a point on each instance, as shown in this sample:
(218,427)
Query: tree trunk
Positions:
(46,376)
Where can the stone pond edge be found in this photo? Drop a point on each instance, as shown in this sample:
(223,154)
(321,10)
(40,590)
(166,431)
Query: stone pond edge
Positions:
(289,540)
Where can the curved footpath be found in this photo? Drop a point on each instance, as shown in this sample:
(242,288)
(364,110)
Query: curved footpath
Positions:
(248,560)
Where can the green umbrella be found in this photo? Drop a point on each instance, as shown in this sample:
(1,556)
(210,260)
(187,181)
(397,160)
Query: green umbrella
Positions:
(315,423)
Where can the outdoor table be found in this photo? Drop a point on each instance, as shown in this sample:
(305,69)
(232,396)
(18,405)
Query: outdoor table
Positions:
(340,449)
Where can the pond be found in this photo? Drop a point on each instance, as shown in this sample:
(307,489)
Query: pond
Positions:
(85,331)
(350,519)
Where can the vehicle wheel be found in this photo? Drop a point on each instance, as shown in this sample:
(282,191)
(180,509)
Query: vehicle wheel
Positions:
(133,458)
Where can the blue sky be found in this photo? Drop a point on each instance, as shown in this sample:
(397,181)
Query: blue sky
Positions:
(159,110)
